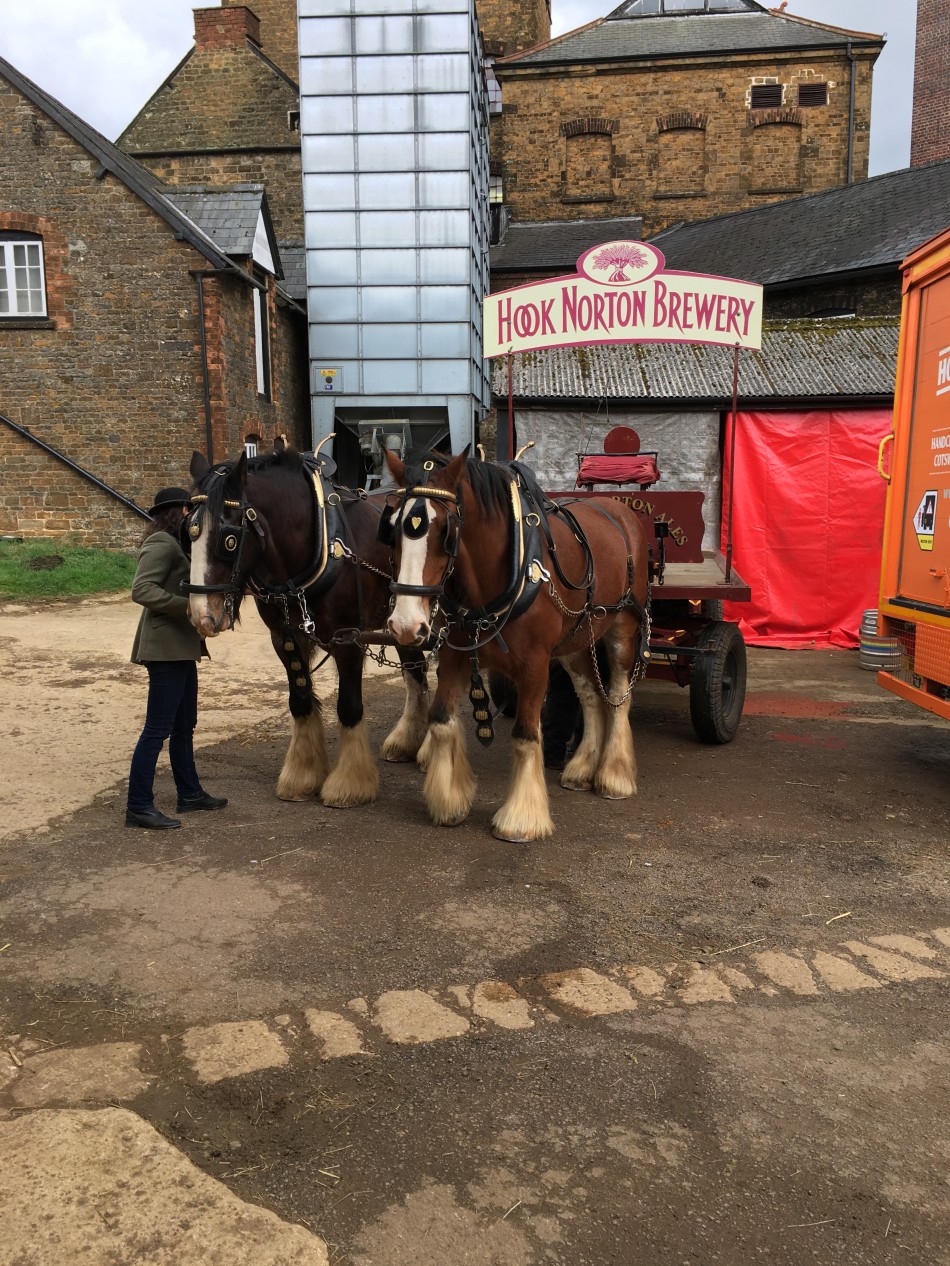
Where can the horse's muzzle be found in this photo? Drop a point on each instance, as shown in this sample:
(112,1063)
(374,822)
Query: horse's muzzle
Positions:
(207,624)
(409,636)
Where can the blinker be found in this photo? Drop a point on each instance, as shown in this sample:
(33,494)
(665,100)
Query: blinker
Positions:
(416,525)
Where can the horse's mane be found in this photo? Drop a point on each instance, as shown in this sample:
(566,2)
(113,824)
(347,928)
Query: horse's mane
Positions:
(490,481)
(219,490)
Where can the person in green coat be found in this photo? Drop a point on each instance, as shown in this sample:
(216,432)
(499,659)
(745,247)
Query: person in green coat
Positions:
(169,647)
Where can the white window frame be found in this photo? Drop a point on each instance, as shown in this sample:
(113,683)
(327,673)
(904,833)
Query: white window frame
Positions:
(8,279)
(262,343)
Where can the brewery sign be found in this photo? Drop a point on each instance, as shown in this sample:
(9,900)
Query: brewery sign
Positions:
(621,293)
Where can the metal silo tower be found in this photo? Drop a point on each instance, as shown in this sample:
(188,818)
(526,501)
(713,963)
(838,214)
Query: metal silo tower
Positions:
(394,135)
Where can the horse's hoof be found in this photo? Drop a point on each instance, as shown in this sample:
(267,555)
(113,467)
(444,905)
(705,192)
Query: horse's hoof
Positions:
(301,799)
(578,785)
(512,839)
(347,802)
(615,795)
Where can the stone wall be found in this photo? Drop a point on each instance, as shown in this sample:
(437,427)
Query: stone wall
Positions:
(278,32)
(511,26)
(278,170)
(684,142)
(113,377)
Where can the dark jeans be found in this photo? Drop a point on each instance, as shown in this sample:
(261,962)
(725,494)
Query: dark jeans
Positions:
(171,713)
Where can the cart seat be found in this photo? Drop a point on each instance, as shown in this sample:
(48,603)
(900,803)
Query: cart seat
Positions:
(621,462)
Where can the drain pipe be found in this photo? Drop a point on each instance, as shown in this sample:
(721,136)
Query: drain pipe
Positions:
(851,59)
(199,276)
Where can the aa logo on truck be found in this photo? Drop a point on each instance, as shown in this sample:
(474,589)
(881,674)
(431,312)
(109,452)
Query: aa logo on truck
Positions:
(925,520)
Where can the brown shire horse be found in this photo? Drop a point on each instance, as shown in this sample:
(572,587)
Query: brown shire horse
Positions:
(308,552)
(471,551)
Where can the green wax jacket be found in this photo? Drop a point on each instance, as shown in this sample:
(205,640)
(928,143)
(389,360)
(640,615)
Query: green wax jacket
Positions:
(164,631)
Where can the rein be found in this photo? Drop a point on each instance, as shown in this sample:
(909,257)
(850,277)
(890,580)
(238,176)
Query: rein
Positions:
(329,548)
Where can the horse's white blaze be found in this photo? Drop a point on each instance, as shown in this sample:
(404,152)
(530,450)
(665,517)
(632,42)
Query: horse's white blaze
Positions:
(410,611)
(525,815)
(207,620)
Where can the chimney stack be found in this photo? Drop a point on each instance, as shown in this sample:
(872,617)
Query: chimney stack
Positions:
(930,137)
(226,28)
(278,37)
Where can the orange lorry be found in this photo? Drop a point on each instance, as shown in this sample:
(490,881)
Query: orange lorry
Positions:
(914,601)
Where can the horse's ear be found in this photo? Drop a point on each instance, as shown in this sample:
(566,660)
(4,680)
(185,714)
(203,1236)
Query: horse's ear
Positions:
(239,473)
(280,444)
(396,468)
(453,472)
(199,466)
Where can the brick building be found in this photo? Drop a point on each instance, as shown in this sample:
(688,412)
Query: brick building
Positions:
(135,326)
(229,111)
(930,132)
(676,110)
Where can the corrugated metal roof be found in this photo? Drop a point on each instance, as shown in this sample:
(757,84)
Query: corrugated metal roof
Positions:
(800,360)
(620,38)
(875,223)
(558,244)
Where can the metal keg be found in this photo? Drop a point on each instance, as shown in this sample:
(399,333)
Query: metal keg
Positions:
(878,653)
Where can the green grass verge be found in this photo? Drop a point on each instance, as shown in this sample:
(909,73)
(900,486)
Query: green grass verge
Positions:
(82,571)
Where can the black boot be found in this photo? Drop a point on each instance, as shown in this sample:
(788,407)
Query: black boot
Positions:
(151,819)
(204,801)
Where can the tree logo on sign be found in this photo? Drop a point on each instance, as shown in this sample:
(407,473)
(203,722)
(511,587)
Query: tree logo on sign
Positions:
(620,263)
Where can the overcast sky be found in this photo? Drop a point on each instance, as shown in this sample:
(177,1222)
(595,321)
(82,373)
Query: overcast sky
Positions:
(104,58)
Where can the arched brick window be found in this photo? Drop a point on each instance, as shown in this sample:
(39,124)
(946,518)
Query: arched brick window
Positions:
(588,159)
(776,151)
(681,145)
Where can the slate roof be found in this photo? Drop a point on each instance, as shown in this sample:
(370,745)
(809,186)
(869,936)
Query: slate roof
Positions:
(229,216)
(141,181)
(293,258)
(551,244)
(874,224)
(619,37)
(844,360)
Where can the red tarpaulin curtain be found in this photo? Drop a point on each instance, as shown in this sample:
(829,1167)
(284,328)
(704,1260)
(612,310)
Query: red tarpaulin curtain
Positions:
(808,524)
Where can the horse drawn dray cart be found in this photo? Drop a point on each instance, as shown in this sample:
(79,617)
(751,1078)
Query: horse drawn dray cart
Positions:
(690,642)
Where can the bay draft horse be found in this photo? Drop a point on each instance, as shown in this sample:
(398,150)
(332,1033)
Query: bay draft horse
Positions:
(308,552)
(469,554)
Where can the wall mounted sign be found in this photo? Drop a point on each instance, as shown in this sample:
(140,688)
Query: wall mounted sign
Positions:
(621,294)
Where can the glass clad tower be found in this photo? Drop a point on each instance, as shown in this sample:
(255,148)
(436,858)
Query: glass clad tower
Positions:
(394,135)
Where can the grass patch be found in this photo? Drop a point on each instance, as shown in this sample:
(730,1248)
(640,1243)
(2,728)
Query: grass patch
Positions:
(53,569)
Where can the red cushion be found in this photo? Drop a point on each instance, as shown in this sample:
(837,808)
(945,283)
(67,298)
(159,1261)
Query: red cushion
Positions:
(606,469)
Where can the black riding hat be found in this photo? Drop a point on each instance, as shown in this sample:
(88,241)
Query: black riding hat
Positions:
(166,497)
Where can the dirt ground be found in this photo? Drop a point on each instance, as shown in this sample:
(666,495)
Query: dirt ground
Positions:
(708,1025)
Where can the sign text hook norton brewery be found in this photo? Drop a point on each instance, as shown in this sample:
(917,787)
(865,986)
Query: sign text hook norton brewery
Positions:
(620,294)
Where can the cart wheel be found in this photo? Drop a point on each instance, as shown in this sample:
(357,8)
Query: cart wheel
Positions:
(717,683)
(712,608)
(504,694)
